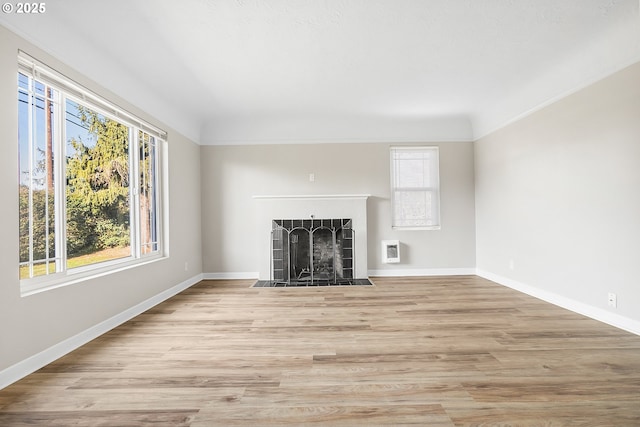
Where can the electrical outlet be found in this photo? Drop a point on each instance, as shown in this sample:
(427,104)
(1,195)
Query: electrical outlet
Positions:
(312,177)
(186,266)
(512,264)
(613,300)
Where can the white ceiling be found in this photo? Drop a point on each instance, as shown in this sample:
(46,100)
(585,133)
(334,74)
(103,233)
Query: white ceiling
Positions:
(240,71)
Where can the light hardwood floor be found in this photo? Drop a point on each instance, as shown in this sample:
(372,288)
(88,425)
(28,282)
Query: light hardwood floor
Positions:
(443,351)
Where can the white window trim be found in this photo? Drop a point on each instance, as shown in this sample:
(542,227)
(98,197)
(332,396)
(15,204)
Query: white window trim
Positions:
(393,189)
(67,89)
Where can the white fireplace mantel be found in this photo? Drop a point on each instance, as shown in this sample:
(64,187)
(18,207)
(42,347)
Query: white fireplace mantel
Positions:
(315,196)
(319,206)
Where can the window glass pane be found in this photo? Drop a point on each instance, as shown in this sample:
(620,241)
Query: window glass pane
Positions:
(23,83)
(36,109)
(97,193)
(411,173)
(413,208)
(148,193)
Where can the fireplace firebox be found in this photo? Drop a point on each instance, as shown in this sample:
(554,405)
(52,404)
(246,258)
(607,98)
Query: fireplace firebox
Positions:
(312,252)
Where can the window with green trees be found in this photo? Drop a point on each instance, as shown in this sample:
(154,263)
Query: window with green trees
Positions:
(89,185)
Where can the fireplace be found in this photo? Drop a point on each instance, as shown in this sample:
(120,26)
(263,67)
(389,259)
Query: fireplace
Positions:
(312,251)
(297,215)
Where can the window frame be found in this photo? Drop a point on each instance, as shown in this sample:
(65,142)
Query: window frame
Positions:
(67,89)
(434,190)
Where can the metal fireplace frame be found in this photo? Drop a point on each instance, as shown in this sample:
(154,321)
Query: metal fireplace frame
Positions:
(325,224)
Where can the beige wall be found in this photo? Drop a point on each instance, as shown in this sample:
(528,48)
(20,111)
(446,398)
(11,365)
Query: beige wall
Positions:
(29,325)
(232,175)
(558,193)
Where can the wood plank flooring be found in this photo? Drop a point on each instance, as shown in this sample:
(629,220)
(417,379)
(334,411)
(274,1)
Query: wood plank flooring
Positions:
(440,351)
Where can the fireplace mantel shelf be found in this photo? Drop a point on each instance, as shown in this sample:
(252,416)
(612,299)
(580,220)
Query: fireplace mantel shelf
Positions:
(314,196)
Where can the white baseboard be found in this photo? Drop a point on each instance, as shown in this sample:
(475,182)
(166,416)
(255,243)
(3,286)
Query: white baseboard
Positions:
(423,272)
(613,319)
(22,369)
(231,276)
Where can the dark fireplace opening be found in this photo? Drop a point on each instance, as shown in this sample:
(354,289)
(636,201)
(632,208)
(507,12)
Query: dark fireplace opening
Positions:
(312,252)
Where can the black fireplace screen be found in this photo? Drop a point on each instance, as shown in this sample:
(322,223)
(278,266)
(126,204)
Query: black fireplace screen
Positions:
(308,251)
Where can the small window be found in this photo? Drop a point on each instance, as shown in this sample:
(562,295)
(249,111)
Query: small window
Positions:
(89,182)
(415,188)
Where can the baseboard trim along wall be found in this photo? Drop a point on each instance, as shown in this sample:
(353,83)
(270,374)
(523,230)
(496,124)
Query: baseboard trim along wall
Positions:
(37,361)
(423,272)
(613,319)
(231,276)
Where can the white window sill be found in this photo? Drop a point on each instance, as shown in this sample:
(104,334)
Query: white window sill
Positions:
(41,284)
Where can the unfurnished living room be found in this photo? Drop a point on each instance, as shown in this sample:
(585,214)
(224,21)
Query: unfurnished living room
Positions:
(320,212)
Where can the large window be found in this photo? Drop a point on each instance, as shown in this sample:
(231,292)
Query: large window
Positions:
(89,181)
(415,188)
